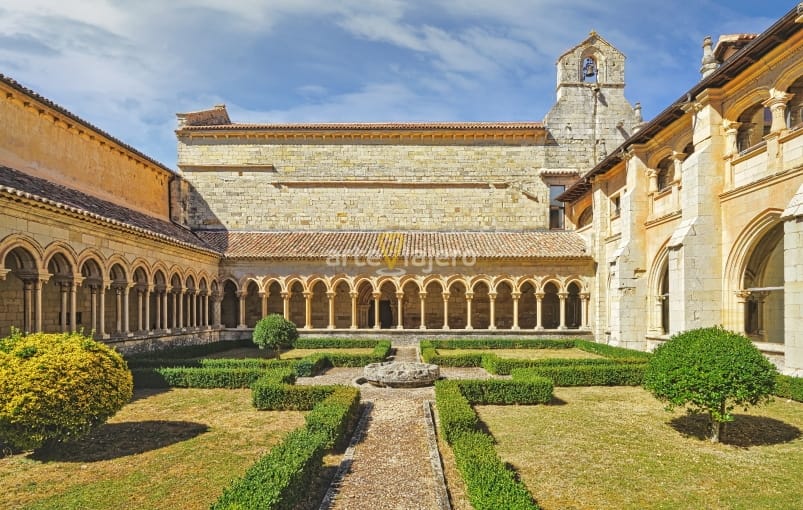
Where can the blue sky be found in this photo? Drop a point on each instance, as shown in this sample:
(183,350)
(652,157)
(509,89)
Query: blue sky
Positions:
(129,66)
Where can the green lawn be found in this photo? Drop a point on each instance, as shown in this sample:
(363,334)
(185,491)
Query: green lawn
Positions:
(603,447)
(301,353)
(525,353)
(172,450)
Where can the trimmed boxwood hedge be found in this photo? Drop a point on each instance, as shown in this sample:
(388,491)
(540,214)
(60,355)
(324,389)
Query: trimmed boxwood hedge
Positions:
(489,484)
(789,387)
(502,343)
(463,357)
(454,410)
(281,479)
(610,351)
(534,390)
(335,415)
(335,343)
(196,377)
(192,351)
(611,374)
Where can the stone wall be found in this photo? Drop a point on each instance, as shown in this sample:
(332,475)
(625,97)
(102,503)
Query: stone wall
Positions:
(41,141)
(354,186)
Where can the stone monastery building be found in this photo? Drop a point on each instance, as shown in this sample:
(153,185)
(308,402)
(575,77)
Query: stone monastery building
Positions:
(591,223)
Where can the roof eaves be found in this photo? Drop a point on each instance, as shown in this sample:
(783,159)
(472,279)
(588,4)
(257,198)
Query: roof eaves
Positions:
(60,109)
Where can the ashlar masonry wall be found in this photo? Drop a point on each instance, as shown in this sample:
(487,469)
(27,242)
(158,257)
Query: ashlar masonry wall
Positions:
(242,183)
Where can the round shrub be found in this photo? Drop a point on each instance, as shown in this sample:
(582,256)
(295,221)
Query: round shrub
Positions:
(55,387)
(275,332)
(710,370)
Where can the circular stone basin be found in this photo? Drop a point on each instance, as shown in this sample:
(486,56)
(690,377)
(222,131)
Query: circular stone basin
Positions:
(401,374)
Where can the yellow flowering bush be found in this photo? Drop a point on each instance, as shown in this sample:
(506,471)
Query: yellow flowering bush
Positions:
(55,387)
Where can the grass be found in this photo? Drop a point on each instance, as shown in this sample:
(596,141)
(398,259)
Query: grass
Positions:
(164,450)
(617,448)
(253,352)
(301,353)
(526,353)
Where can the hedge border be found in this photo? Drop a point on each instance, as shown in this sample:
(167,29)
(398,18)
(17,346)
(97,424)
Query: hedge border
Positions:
(789,387)
(281,479)
(503,366)
(612,374)
(489,483)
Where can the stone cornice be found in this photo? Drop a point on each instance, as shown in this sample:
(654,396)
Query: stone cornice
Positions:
(423,134)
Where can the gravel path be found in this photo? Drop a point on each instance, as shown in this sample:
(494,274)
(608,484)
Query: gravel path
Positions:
(391,467)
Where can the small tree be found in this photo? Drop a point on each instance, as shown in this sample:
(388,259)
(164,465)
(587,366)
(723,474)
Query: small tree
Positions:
(275,332)
(710,370)
(55,387)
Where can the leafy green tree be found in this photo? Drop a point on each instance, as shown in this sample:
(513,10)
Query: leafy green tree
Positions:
(710,370)
(274,332)
(55,387)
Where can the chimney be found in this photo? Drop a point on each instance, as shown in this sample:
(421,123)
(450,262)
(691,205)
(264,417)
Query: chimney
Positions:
(710,63)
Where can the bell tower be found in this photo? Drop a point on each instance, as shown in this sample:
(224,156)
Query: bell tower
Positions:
(591,116)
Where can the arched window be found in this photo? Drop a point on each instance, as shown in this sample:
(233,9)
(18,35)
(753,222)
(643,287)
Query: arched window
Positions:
(763,283)
(665,173)
(586,217)
(755,125)
(664,297)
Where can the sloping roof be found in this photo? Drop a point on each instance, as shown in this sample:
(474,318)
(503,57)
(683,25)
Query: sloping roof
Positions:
(780,31)
(368,126)
(16,183)
(321,245)
(75,118)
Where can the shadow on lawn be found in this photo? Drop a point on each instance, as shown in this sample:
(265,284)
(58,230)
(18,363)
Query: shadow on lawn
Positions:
(115,440)
(745,431)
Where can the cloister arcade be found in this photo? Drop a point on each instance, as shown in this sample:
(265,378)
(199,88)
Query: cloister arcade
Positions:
(436,302)
(55,289)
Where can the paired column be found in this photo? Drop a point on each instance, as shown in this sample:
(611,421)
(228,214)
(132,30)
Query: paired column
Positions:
(469,299)
(492,298)
(331,297)
(585,298)
(376,296)
(423,298)
(446,297)
(241,294)
(400,308)
(539,298)
(286,305)
(515,296)
(562,296)
(264,295)
(93,307)
(307,310)
(63,287)
(353,310)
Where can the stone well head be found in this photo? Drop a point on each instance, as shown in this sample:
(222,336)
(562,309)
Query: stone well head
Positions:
(401,374)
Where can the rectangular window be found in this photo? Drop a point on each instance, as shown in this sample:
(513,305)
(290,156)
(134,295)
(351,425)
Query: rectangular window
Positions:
(616,206)
(556,207)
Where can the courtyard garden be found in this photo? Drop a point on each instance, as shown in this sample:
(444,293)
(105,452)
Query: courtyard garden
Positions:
(521,423)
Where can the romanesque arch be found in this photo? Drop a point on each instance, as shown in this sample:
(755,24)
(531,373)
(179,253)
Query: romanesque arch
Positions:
(754,279)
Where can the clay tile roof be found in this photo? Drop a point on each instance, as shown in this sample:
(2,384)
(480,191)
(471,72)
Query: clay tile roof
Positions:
(321,245)
(47,102)
(368,126)
(22,185)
